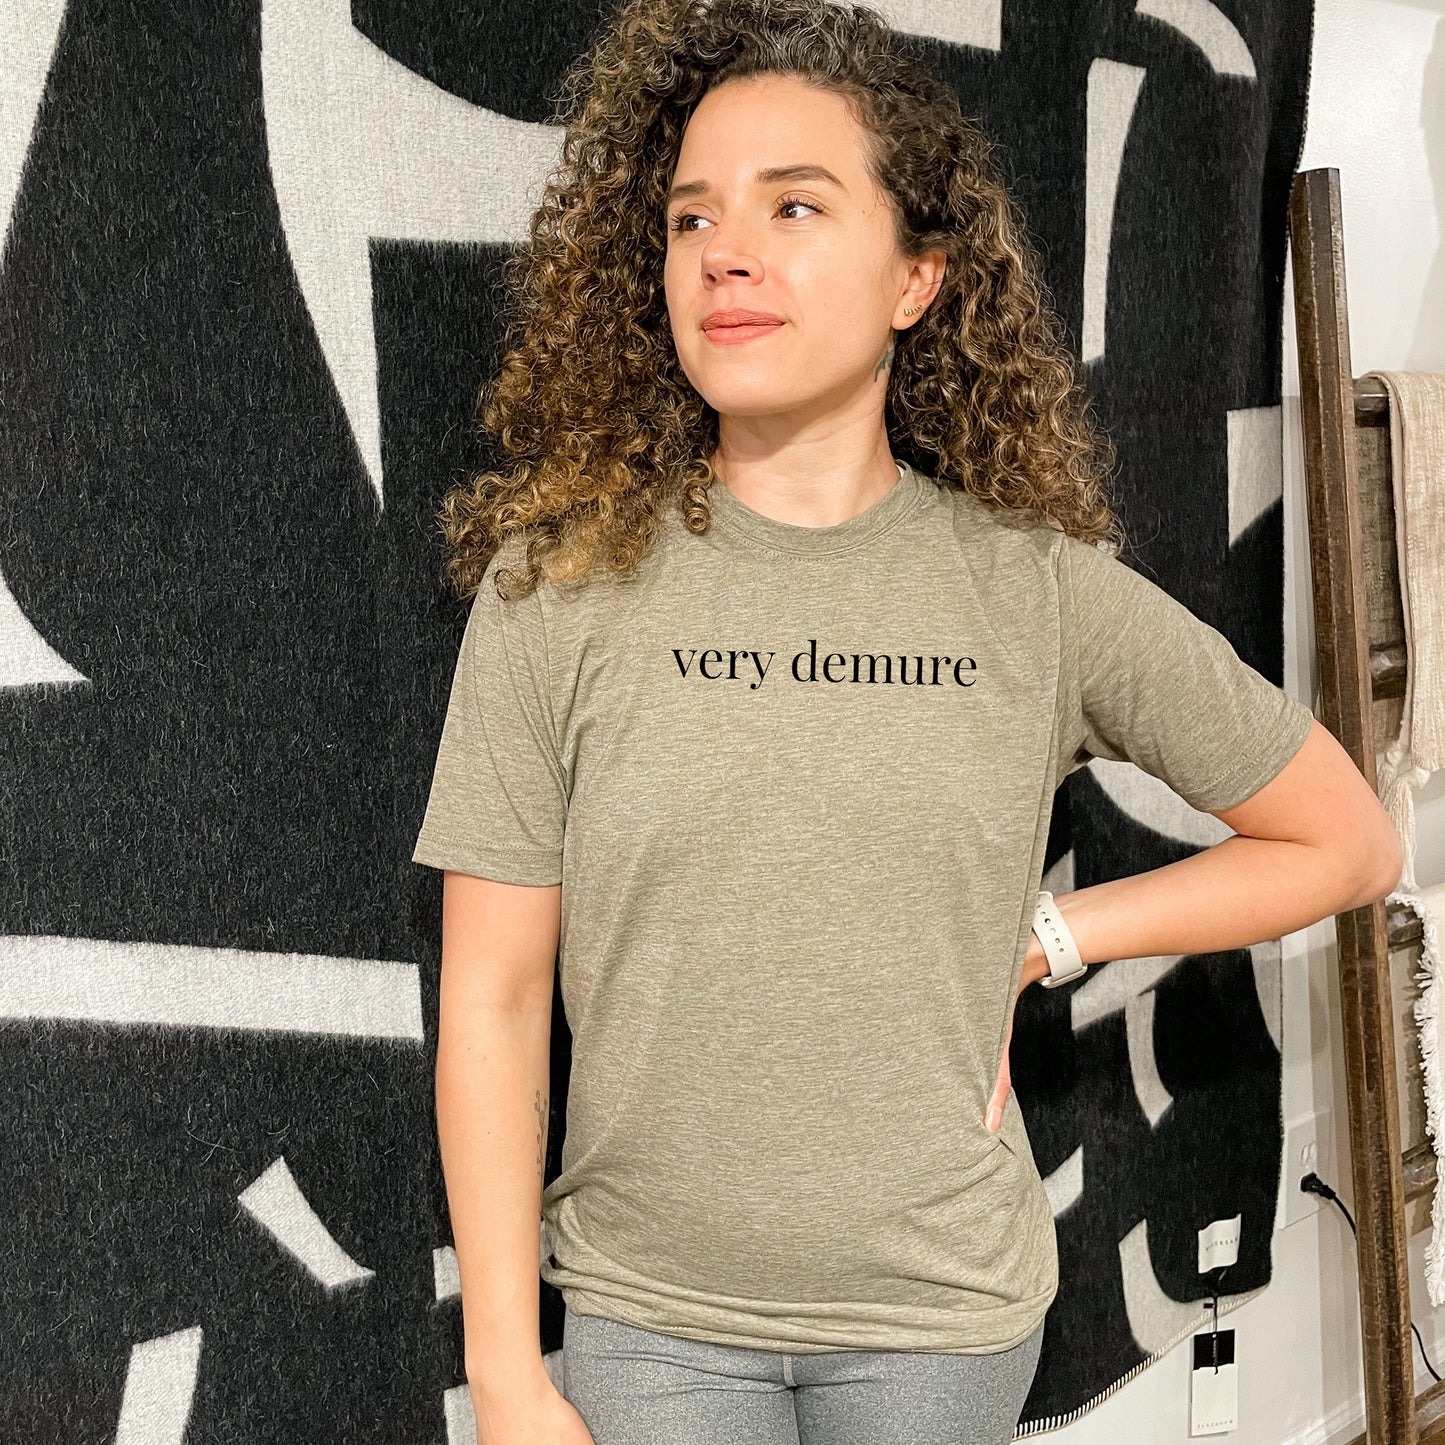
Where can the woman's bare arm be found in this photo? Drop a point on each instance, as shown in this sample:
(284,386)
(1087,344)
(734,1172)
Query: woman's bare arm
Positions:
(1313,842)
(499,949)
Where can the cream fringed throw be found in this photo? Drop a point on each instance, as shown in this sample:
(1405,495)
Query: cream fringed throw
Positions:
(1428,905)
(1417,449)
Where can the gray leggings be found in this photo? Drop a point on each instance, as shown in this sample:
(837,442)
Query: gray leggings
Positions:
(636,1387)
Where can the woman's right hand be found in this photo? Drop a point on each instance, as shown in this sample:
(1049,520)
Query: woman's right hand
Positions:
(531,1413)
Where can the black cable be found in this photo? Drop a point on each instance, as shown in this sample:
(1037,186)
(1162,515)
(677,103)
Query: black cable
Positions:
(1313,1184)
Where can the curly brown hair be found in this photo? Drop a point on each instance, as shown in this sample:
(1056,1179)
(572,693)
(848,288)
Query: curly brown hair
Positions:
(591,402)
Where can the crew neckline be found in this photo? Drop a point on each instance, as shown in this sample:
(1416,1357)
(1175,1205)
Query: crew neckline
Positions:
(895,504)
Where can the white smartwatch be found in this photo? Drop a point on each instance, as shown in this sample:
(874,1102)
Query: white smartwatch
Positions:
(1059,946)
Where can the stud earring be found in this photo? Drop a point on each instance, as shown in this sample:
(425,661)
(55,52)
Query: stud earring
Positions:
(911,310)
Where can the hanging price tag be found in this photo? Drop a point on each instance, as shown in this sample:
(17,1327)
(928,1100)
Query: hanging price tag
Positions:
(1214,1385)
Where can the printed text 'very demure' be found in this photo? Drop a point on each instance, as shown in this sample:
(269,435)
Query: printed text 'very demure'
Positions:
(730,664)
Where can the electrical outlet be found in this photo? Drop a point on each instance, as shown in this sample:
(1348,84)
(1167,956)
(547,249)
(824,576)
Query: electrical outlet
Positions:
(1308,1149)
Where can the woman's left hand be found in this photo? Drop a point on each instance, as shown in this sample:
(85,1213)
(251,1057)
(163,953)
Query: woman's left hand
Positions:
(1035,968)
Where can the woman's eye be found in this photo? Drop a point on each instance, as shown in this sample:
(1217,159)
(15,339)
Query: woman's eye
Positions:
(679,222)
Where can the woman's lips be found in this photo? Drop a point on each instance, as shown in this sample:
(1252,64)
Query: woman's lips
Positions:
(732,335)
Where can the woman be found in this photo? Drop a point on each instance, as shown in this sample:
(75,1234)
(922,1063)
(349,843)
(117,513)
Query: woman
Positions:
(787,622)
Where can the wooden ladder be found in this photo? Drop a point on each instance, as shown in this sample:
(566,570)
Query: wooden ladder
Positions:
(1360,653)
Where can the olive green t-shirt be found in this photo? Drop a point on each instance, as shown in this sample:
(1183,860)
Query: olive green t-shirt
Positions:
(796,784)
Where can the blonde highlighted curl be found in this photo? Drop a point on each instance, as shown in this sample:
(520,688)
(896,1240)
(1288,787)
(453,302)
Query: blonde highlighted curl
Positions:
(591,404)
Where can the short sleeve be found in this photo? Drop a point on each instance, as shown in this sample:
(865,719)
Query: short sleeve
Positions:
(498,801)
(1154,685)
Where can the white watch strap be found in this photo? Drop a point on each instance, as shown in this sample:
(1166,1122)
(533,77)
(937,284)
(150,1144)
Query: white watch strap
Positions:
(1059,946)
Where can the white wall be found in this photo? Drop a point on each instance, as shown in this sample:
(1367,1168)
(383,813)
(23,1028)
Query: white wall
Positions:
(1377,115)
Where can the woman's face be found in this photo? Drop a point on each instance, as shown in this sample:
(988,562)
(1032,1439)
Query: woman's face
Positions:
(817,254)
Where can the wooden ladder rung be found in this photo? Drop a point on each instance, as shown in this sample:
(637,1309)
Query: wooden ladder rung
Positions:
(1387,669)
(1429,1417)
(1419,1166)
(1402,927)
